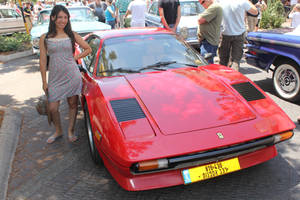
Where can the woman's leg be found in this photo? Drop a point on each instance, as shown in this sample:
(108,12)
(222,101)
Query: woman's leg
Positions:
(53,109)
(73,107)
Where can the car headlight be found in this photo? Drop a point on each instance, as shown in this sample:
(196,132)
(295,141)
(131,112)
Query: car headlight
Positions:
(35,43)
(184,32)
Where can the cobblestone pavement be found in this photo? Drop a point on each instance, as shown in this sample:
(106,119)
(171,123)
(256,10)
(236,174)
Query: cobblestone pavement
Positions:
(65,171)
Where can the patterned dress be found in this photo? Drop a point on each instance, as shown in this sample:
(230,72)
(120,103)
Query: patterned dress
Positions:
(64,78)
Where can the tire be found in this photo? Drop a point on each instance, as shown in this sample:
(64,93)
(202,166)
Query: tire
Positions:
(286,81)
(93,150)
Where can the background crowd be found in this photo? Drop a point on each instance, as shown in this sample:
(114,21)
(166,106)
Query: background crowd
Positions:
(229,19)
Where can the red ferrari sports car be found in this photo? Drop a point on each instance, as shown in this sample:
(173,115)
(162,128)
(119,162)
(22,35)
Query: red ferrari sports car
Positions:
(158,115)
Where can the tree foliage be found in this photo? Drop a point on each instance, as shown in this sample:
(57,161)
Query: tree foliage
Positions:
(273,16)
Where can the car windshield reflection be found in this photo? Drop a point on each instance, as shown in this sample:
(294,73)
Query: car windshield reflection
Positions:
(144,53)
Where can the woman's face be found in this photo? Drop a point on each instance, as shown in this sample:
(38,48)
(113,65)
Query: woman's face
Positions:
(61,20)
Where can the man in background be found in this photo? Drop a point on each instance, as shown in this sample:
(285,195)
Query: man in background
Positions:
(121,8)
(233,35)
(98,10)
(170,13)
(209,28)
(137,9)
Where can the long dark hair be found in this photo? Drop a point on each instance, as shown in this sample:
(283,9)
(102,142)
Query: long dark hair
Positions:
(52,27)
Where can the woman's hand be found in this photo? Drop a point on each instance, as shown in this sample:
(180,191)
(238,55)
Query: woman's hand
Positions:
(45,88)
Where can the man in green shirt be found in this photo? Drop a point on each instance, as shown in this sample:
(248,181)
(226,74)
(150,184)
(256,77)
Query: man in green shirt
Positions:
(121,8)
(209,28)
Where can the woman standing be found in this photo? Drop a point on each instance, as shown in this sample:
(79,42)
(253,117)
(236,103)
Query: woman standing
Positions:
(64,78)
(110,14)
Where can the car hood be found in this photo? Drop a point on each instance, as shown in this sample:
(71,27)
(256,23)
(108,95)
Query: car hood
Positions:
(182,112)
(185,100)
(79,27)
(285,35)
(188,21)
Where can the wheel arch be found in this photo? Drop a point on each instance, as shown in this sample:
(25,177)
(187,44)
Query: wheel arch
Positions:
(283,59)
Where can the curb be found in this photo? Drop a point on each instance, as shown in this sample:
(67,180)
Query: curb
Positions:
(9,136)
(9,57)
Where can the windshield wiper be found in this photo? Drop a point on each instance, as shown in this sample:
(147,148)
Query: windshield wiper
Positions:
(120,70)
(157,65)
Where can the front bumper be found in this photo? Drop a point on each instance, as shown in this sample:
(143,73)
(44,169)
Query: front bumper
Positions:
(174,177)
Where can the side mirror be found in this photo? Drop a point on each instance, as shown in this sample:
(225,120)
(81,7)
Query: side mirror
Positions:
(81,69)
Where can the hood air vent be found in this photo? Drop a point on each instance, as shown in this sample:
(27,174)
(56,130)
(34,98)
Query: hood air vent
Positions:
(127,109)
(248,91)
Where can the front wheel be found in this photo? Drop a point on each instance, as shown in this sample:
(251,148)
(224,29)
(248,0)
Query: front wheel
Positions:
(286,81)
(94,152)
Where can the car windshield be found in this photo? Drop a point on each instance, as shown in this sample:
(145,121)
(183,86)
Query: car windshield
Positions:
(8,13)
(133,54)
(190,8)
(76,14)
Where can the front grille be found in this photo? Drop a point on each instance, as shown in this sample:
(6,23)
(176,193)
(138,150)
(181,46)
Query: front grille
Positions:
(192,32)
(215,155)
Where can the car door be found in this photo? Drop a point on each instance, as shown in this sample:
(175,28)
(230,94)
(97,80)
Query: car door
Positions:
(152,16)
(10,21)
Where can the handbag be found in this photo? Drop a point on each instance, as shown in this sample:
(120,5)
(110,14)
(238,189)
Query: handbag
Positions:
(43,108)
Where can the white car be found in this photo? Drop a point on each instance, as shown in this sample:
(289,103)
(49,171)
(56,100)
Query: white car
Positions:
(10,21)
(188,25)
(82,20)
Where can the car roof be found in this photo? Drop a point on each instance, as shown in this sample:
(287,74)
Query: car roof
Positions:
(131,31)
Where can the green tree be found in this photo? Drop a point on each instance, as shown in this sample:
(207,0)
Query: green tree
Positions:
(273,16)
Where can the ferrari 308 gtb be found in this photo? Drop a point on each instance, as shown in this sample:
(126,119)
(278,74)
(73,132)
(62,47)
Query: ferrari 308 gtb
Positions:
(158,115)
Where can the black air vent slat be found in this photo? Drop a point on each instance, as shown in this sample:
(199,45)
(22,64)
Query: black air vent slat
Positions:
(127,109)
(248,91)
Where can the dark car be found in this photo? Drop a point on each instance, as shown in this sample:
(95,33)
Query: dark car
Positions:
(278,51)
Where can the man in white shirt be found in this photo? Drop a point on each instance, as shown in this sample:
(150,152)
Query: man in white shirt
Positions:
(233,35)
(137,9)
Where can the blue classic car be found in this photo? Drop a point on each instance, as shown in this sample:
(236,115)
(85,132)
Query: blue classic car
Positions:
(82,19)
(187,27)
(278,51)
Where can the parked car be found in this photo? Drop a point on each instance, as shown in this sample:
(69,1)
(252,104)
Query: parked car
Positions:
(188,25)
(158,115)
(278,51)
(82,19)
(10,21)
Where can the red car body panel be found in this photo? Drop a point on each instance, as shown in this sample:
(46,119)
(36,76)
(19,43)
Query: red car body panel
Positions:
(184,109)
(174,177)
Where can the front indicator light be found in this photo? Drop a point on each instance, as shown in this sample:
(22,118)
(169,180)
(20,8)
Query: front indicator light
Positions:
(152,165)
(283,136)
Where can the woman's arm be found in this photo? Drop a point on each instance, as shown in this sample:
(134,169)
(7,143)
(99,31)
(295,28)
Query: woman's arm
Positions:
(84,45)
(43,62)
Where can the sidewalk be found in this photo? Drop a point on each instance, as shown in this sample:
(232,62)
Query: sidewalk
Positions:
(9,135)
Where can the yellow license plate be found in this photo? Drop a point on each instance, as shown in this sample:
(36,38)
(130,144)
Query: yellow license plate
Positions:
(210,171)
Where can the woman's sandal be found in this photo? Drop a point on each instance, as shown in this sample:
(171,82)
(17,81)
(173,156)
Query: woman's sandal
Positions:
(53,138)
(72,138)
